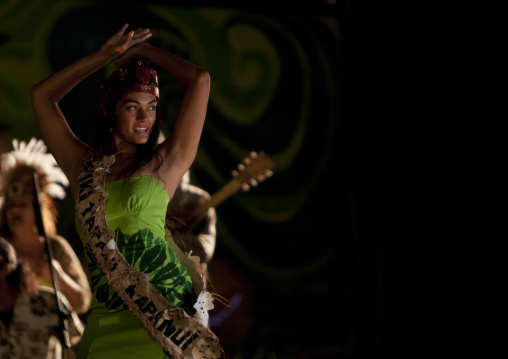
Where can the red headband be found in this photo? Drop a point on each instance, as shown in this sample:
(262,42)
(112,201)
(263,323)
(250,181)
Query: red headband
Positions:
(136,76)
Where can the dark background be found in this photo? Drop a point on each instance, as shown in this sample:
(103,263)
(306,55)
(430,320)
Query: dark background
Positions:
(423,274)
(424,159)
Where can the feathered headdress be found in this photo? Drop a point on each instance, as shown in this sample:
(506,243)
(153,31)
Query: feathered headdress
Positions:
(19,165)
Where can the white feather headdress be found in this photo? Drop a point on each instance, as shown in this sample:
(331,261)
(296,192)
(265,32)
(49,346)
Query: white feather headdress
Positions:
(18,166)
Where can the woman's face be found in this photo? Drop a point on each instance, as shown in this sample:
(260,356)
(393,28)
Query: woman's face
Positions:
(19,212)
(135,116)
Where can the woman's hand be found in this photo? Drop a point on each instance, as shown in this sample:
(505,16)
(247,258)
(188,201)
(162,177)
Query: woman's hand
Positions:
(133,51)
(117,44)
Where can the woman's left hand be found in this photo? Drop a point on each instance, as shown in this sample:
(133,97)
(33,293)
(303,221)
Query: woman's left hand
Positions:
(134,51)
(120,42)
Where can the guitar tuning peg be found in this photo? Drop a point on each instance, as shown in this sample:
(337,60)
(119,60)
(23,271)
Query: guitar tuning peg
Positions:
(253,154)
(247,161)
(268,173)
(253,182)
(261,178)
(241,167)
(234,173)
(245,187)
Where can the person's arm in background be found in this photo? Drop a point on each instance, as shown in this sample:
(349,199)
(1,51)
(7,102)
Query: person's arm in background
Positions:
(71,277)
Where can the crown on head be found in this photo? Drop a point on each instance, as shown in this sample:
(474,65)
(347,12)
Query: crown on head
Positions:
(136,76)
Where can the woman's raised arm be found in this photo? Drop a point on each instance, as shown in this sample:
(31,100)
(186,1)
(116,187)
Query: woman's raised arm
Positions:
(68,150)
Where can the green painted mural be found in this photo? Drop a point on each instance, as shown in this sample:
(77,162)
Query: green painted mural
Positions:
(275,87)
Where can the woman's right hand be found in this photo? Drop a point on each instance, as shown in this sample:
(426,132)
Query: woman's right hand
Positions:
(117,44)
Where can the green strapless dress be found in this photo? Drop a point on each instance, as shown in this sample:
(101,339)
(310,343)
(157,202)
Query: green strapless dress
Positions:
(135,210)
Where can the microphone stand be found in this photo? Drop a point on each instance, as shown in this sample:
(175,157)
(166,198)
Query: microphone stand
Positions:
(62,311)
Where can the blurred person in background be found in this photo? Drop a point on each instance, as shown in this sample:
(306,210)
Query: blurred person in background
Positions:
(18,225)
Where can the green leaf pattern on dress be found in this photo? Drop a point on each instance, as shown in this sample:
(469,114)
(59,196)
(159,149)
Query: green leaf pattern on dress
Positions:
(152,256)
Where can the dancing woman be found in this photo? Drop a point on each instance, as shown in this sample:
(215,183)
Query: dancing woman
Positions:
(148,299)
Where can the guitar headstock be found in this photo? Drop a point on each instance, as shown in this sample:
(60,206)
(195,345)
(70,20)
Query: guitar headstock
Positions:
(253,170)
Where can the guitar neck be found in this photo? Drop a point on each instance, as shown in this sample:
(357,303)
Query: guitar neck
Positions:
(218,197)
(257,168)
